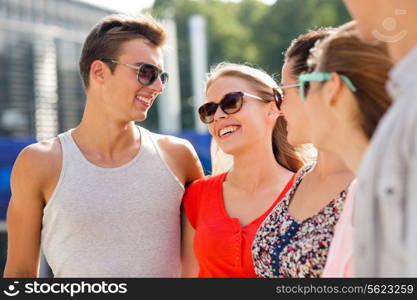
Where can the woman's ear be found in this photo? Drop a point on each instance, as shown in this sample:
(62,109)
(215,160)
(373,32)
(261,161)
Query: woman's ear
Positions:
(273,111)
(332,89)
(97,71)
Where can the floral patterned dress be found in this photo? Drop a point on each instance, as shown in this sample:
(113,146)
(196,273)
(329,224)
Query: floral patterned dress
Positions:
(285,248)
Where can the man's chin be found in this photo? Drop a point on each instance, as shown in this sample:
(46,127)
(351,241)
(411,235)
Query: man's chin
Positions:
(141,118)
(367,36)
(368,33)
(138,116)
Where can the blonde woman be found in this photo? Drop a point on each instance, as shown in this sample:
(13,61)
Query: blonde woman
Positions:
(223,212)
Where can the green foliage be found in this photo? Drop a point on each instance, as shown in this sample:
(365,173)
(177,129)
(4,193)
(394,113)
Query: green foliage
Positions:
(246,31)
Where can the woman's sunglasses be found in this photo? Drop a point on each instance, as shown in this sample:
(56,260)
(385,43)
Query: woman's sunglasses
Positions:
(231,103)
(146,73)
(304,79)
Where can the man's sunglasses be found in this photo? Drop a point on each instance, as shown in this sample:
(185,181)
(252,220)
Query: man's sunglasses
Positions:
(146,73)
(231,103)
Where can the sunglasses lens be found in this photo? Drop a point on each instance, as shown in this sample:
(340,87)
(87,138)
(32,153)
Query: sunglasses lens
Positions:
(278,98)
(164,78)
(147,74)
(207,111)
(231,103)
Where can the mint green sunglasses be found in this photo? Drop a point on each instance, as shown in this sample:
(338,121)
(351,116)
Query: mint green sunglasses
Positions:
(304,78)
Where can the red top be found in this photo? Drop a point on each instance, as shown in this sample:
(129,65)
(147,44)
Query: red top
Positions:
(222,246)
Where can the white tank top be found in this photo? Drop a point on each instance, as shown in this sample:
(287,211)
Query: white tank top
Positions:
(113,222)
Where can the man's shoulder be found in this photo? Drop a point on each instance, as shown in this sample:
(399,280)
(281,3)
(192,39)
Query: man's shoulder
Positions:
(180,156)
(173,143)
(41,154)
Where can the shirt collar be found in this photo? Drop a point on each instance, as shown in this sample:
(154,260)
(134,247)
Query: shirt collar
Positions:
(403,74)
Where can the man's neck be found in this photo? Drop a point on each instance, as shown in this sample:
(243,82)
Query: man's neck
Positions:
(98,132)
(399,49)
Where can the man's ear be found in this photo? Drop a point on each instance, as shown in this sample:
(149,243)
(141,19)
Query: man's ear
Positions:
(97,71)
(332,89)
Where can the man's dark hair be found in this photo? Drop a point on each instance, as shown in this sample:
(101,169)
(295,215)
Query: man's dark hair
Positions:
(107,37)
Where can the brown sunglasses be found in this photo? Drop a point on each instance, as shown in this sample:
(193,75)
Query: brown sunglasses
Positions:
(231,103)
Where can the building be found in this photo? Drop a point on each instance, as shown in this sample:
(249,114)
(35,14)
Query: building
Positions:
(40,88)
(40,43)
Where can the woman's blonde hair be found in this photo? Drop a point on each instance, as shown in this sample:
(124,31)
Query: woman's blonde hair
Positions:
(284,153)
(220,162)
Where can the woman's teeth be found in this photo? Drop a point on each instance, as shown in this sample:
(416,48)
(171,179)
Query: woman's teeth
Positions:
(227,130)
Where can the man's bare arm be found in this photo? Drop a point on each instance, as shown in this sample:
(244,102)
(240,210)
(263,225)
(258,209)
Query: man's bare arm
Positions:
(189,265)
(24,215)
(182,158)
(194,167)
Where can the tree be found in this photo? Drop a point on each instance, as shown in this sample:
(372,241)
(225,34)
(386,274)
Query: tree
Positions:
(247,31)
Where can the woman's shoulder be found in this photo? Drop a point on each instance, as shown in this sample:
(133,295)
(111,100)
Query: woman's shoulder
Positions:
(208,181)
(303,171)
(350,198)
(200,196)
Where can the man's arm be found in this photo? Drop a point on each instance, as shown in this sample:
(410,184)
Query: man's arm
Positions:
(189,265)
(194,169)
(24,215)
(182,158)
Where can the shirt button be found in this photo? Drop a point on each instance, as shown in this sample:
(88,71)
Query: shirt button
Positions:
(390,191)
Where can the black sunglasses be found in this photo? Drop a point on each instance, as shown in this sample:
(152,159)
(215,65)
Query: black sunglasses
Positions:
(231,103)
(146,73)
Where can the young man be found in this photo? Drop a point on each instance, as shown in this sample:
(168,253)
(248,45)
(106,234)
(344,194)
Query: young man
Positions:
(386,204)
(103,200)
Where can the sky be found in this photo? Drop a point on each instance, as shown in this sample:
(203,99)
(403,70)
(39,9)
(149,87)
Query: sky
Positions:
(135,6)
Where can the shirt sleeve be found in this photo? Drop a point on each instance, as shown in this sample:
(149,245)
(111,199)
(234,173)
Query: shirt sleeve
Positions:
(190,202)
(410,203)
